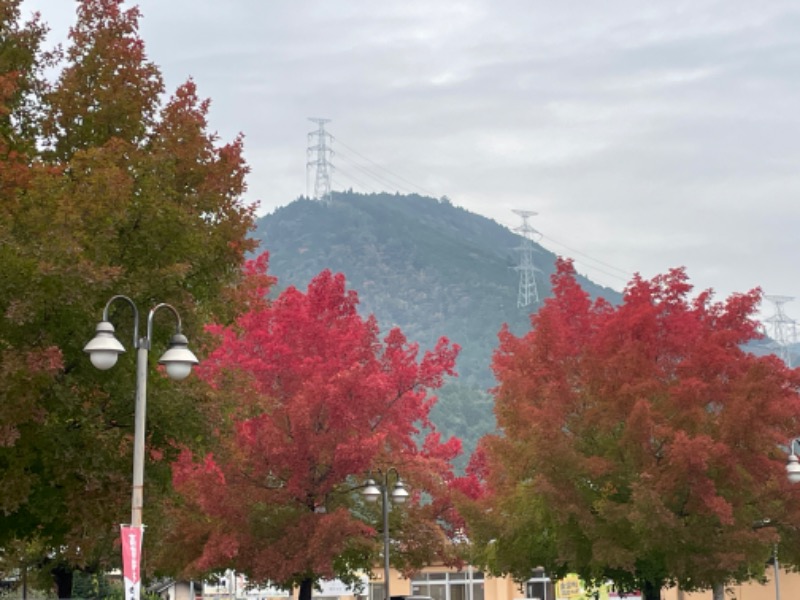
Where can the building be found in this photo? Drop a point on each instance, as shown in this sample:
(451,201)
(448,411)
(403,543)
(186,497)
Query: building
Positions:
(442,583)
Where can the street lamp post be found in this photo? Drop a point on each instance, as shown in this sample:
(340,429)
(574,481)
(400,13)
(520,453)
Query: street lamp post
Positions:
(776,569)
(380,489)
(774,559)
(104,349)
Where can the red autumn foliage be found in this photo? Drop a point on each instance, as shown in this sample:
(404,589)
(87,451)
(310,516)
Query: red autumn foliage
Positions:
(315,400)
(639,441)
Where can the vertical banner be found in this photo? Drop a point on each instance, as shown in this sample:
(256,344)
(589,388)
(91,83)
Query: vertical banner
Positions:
(131,558)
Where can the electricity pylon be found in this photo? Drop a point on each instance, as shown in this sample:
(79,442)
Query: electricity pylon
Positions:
(318,153)
(528,292)
(782,328)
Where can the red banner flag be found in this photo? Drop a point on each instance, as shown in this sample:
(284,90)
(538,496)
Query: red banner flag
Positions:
(131,558)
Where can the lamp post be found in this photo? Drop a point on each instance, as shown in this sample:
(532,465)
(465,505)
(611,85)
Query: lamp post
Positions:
(380,489)
(104,349)
(776,569)
(774,559)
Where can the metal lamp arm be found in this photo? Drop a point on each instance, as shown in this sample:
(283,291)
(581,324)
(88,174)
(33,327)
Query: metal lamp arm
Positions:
(382,477)
(378,475)
(150,321)
(135,315)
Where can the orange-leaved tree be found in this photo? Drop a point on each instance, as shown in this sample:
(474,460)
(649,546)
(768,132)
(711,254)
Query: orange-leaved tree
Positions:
(315,399)
(638,442)
(104,189)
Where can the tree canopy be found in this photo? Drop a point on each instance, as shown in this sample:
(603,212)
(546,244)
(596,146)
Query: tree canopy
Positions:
(106,188)
(315,400)
(638,442)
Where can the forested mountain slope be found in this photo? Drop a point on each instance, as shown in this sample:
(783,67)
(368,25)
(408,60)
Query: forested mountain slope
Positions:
(422,264)
(428,266)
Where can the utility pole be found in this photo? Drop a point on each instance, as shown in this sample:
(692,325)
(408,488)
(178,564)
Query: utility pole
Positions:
(782,328)
(528,292)
(318,153)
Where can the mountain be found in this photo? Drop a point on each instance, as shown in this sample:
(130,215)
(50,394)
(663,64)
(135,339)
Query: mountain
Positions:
(422,264)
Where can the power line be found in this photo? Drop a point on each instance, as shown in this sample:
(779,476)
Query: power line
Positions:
(371,174)
(388,171)
(598,261)
(359,183)
(621,275)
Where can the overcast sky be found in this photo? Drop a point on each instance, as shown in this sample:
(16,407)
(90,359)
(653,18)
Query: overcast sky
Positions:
(645,135)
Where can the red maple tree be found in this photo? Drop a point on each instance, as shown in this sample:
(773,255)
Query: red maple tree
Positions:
(639,442)
(314,400)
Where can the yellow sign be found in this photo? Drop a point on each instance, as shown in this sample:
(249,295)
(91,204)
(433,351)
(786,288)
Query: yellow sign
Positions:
(569,587)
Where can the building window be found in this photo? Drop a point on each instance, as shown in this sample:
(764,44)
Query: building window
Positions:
(463,585)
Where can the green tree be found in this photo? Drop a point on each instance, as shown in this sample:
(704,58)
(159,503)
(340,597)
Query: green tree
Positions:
(638,443)
(122,194)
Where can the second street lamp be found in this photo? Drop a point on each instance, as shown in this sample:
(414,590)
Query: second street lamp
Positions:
(380,489)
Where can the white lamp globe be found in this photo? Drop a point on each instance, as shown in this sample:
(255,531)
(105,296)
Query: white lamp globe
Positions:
(104,348)
(104,359)
(399,493)
(178,370)
(178,359)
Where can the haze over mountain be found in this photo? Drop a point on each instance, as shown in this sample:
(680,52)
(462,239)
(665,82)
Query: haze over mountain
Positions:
(422,264)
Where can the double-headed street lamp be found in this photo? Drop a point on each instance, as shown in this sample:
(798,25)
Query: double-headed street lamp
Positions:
(380,489)
(104,349)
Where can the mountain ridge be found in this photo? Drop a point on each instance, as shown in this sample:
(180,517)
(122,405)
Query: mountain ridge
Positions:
(424,265)
(415,262)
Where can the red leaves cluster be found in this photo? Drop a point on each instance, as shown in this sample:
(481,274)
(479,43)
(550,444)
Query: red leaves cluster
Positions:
(316,399)
(646,426)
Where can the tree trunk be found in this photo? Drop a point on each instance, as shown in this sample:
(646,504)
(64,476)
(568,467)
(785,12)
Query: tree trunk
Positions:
(718,591)
(651,590)
(306,587)
(62,576)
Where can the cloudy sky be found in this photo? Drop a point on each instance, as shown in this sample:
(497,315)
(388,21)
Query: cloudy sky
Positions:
(646,135)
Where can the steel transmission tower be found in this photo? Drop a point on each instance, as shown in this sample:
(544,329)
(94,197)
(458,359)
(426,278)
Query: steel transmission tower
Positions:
(528,292)
(782,328)
(318,153)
